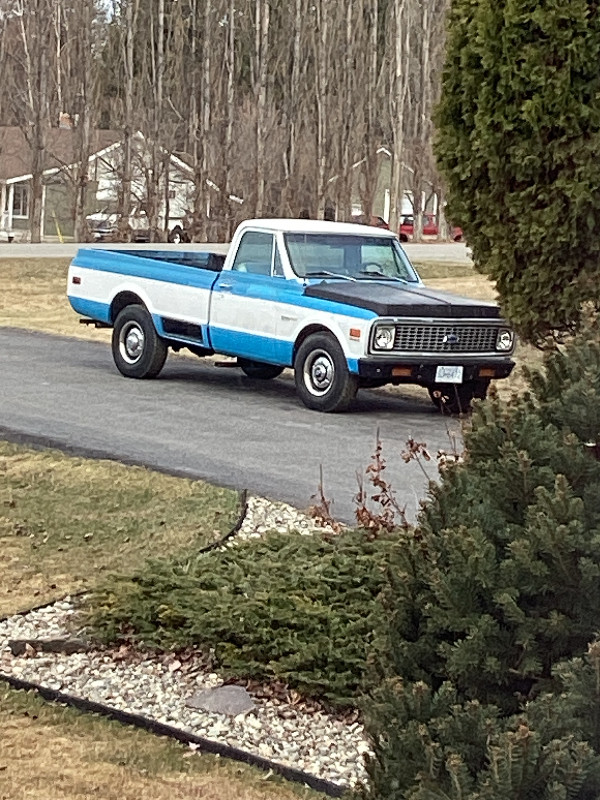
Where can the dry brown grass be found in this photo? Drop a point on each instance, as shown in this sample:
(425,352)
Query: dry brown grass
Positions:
(65,522)
(33,296)
(47,751)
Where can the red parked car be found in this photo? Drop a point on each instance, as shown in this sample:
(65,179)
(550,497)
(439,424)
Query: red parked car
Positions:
(430,227)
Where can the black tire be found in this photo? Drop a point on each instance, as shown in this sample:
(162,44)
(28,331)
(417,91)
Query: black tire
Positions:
(138,350)
(176,235)
(323,381)
(259,370)
(456,398)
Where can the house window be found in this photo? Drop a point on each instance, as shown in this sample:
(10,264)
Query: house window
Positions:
(21,201)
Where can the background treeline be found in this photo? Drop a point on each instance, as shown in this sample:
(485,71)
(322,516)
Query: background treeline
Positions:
(282,104)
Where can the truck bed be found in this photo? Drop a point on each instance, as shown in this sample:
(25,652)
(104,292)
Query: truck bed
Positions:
(205,259)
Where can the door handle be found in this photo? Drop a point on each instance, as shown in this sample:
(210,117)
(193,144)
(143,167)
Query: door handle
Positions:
(225,286)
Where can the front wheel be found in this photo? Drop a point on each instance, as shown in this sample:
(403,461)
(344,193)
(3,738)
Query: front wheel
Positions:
(259,370)
(456,398)
(138,351)
(323,380)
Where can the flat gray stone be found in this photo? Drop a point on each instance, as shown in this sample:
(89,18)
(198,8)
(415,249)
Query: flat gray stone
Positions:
(18,647)
(232,700)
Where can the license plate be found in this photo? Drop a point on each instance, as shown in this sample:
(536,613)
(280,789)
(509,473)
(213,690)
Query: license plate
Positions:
(449,375)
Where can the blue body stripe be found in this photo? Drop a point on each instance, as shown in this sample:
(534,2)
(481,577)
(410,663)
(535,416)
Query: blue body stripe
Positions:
(90,308)
(281,290)
(222,340)
(139,267)
(252,346)
(233,343)
(261,287)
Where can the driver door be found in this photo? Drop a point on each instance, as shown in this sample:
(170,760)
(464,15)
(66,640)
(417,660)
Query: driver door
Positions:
(244,308)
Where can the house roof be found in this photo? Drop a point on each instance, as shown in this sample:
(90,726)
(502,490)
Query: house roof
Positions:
(61,147)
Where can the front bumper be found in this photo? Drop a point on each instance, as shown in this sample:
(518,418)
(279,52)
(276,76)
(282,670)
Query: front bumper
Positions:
(422,371)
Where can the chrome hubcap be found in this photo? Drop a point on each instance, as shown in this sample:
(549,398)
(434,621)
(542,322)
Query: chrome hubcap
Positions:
(131,342)
(319,371)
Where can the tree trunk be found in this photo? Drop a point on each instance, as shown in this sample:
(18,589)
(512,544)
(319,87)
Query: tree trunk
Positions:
(124,202)
(84,106)
(400,84)
(228,159)
(370,160)
(322,67)
(262,56)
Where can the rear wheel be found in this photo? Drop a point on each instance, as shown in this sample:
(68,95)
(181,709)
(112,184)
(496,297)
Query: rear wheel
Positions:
(137,349)
(323,380)
(456,398)
(259,370)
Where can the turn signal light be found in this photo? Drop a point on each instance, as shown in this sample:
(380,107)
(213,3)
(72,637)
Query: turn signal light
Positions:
(355,333)
(487,372)
(402,372)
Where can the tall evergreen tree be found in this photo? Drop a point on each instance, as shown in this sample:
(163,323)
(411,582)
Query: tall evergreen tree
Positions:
(519,134)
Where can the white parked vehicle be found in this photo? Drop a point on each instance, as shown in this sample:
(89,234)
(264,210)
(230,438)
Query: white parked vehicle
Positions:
(339,303)
(104,226)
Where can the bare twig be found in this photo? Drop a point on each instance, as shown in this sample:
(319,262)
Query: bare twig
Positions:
(416,451)
(321,510)
(383,519)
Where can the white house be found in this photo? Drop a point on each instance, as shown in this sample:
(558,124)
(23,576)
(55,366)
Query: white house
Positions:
(104,180)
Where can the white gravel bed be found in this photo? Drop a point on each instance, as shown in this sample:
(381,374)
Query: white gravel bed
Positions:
(264,515)
(294,734)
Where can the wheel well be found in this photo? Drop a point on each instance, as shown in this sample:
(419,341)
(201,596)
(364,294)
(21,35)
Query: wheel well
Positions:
(305,333)
(123,300)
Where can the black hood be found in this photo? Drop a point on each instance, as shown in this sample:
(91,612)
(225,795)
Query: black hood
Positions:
(388,299)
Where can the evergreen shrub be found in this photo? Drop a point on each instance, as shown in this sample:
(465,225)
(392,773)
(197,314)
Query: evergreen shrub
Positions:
(290,607)
(487,689)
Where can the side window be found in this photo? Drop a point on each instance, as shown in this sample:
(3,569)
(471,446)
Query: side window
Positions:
(255,253)
(277,265)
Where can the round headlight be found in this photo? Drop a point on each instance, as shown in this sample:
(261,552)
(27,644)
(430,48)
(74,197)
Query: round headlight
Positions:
(504,340)
(384,338)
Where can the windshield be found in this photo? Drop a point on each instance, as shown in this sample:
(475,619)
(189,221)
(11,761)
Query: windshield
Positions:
(319,255)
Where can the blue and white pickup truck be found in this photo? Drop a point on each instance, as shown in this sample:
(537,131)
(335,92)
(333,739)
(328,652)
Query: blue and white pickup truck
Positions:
(338,303)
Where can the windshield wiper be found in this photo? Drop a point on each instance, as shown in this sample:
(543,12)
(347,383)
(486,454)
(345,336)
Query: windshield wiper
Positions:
(372,274)
(323,273)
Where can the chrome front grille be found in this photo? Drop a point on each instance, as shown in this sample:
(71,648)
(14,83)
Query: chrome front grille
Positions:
(445,338)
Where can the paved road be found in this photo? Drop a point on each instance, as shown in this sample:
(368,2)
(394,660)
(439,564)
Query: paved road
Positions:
(201,421)
(451,252)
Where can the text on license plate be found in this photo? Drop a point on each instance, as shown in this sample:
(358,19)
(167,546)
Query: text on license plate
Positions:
(449,375)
